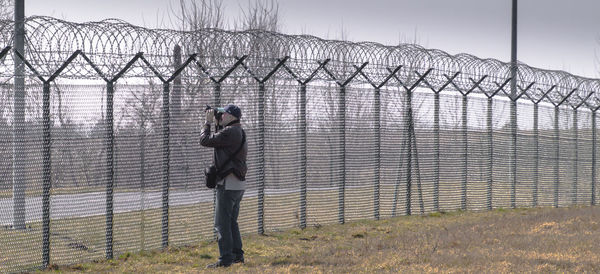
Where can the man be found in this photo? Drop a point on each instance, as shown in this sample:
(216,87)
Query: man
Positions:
(231,180)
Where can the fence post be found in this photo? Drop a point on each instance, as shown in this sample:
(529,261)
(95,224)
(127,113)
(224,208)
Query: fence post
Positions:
(342,186)
(556,154)
(303,156)
(436,145)
(575,168)
(18,135)
(47,177)
(514,69)
(377,185)
(513,147)
(217,103)
(261,158)
(463,187)
(109,168)
(490,136)
(536,137)
(594,157)
(408,120)
(165,184)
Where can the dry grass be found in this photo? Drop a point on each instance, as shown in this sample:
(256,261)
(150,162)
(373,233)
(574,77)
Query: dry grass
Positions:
(521,240)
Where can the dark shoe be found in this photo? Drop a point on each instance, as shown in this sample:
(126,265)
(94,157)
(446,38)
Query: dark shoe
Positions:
(238,260)
(218,264)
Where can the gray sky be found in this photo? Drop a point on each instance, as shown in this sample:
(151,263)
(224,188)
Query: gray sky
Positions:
(553,34)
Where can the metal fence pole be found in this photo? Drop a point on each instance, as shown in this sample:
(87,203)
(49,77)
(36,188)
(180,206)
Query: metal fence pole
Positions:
(513,146)
(575,167)
(110,137)
(303,155)
(436,145)
(377,185)
(217,102)
(409,147)
(513,104)
(166,163)
(536,138)
(342,186)
(47,176)
(490,144)
(463,187)
(556,154)
(261,157)
(18,164)
(594,157)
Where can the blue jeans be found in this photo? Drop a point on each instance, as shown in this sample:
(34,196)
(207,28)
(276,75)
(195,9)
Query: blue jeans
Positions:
(226,215)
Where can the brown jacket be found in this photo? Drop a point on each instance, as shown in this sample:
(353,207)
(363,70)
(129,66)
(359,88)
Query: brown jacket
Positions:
(225,143)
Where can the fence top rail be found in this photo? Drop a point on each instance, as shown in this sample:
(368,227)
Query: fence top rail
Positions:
(111,43)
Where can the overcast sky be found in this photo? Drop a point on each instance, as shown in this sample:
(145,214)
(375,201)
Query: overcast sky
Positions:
(552,34)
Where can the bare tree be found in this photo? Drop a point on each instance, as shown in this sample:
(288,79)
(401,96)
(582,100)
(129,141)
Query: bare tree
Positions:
(190,15)
(259,15)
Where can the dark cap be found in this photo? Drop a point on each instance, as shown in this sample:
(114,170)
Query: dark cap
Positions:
(233,110)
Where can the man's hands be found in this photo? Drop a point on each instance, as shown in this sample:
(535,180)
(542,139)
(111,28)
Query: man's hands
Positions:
(210,117)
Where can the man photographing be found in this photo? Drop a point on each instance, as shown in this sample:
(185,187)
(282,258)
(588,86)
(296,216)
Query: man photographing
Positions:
(230,150)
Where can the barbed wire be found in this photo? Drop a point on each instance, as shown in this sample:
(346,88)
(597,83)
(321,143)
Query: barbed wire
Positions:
(111,44)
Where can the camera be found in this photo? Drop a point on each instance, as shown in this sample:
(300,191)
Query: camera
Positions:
(218,112)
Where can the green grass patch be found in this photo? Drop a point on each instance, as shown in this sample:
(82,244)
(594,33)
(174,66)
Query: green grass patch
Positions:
(508,240)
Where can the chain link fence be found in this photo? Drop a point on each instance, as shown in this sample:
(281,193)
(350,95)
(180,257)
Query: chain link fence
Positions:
(101,126)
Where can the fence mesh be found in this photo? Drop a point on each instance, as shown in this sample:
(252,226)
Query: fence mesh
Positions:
(101,122)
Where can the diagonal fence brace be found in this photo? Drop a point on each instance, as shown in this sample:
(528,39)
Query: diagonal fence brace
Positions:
(127,66)
(475,85)
(39,76)
(182,67)
(500,87)
(89,61)
(4,52)
(274,70)
(153,69)
(567,97)
(64,65)
(390,76)
(314,73)
(524,91)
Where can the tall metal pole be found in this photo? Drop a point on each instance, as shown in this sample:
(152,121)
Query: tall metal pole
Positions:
(261,161)
(490,137)
(463,186)
(376,192)
(436,145)
(409,152)
(46,175)
(513,48)
(594,157)
(110,169)
(556,154)
(165,165)
(513,104)
(19,183)
(575,164)
(303,157)
(217,102)
(342,186)
(536,173)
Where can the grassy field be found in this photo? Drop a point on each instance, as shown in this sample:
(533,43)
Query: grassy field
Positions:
(520,240)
